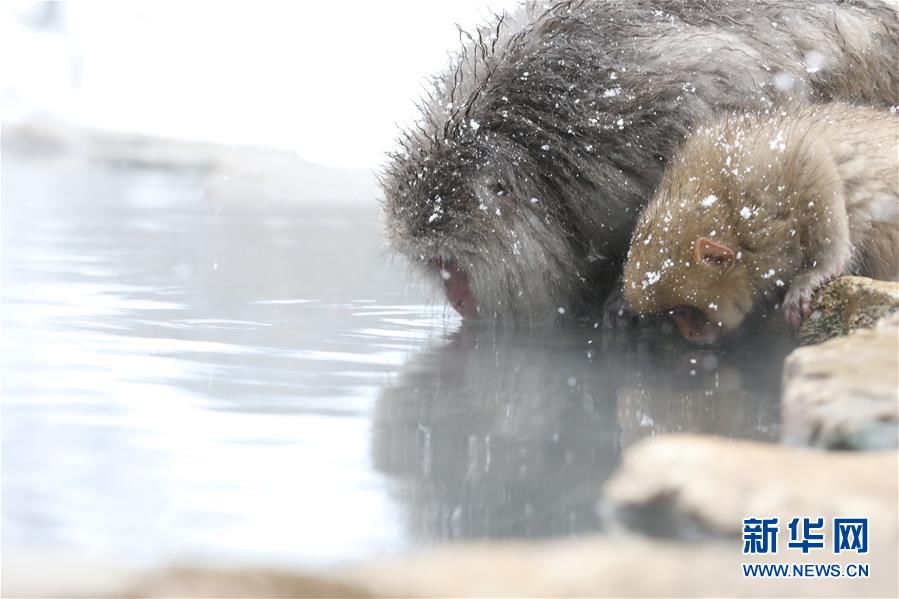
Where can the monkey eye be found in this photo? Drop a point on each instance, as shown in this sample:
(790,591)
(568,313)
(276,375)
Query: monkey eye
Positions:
(497,188)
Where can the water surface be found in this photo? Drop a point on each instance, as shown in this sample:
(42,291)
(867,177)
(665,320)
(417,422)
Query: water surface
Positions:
(199,371)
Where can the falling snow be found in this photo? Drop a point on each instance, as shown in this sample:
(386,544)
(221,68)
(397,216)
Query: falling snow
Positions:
(784,81)
(778,142)
(651,278)
(709,200)
(814,62)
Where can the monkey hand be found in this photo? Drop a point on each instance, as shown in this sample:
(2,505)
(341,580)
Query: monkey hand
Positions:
(797,305)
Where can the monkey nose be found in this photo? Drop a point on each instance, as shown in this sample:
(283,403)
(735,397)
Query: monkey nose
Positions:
(456,286)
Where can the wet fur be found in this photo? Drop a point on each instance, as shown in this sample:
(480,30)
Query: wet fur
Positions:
(538,147)
(801,195)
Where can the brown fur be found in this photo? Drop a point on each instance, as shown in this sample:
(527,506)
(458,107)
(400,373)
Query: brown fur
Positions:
(755,203)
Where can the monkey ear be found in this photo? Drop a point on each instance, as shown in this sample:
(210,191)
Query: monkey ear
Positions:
(712,254)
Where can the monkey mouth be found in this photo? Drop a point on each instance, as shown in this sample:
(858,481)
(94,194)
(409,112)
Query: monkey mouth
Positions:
(457,287)
(695,326)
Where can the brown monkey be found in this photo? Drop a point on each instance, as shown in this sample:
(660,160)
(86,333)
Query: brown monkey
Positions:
(754,203)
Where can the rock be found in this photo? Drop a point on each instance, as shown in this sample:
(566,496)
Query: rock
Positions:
(705,486)
(847,304)
(610,566)
(53,574)
(597,566)
(57,575)
(241,582)
(589,567)
(844,393)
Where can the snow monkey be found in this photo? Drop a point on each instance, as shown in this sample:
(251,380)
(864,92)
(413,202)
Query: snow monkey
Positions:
(753,204)
(518,188)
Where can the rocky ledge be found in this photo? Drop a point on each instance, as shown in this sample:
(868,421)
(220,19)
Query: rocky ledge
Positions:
(612,565)
(847,304)
(607,566)
(844,393)
(703,487)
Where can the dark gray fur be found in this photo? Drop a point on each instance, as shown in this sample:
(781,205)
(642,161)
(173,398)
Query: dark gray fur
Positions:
(579,105)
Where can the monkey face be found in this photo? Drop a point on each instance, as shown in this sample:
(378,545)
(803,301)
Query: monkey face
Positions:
(472,216)
(706,291)
(438,209)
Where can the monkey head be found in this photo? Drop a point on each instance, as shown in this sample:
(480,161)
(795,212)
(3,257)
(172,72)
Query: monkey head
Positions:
(694,253)
(698,277)
(492,236)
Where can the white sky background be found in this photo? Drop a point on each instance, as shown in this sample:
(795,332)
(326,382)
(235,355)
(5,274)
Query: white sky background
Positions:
(330,80)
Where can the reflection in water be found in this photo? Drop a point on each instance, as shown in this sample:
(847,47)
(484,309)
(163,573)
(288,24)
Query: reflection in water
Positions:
(192,370)
(500,434)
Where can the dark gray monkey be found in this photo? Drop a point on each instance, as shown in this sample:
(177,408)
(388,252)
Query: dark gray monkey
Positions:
(536,150)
